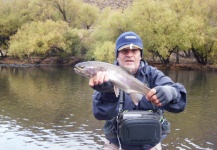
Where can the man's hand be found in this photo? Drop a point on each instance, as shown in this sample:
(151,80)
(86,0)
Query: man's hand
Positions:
(161,95)
(100,82)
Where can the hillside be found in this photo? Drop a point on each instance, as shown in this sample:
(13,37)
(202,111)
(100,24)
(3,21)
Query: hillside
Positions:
(114,4)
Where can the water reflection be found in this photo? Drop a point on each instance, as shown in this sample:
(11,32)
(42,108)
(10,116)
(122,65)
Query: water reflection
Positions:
(47,107)
(195,128)
(51,108)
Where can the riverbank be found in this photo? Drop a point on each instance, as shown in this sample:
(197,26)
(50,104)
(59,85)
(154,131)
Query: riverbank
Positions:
(38,61)
(185,66)
(56,61)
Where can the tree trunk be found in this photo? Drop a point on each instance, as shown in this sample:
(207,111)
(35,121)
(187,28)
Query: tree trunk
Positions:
(177,56)
(201,58)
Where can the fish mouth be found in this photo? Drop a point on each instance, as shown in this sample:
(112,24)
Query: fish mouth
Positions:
(78,69)
(81,71)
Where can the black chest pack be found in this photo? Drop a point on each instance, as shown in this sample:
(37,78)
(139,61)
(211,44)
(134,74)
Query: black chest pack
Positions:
(139,127)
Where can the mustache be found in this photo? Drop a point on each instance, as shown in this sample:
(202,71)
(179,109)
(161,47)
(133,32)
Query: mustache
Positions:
(127,59)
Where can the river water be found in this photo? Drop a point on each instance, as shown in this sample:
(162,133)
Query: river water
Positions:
(50,108)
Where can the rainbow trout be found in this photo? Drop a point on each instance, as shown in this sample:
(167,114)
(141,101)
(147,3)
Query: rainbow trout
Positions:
(120,77)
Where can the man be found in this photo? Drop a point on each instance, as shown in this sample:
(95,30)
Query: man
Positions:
(164,93)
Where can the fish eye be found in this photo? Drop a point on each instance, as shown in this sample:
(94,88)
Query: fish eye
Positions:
(82,67)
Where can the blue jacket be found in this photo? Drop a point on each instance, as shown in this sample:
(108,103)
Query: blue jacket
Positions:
(106,105)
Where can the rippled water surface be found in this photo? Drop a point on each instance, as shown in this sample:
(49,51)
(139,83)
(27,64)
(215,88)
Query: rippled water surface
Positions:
(51,108)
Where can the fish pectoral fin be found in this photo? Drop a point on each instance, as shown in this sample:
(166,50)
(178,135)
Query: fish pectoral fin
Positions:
(116,90)
(136,98)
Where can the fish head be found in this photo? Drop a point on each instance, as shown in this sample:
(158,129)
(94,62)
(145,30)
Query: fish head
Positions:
(87,69)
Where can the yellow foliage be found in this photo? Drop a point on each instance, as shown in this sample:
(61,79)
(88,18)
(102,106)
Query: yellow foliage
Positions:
(105,52)
(80,28)
(38,38)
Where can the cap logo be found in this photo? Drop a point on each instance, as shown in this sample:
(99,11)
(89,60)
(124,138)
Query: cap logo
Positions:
(130,37)
(131,46)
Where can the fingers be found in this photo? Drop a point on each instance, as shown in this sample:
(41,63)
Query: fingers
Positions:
(99,78)
(152,97)
(151,93)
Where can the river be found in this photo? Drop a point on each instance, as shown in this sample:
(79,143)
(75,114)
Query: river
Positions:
(50,108)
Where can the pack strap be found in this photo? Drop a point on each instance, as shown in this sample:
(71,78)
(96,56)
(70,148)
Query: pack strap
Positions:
(121,100)
(121,105)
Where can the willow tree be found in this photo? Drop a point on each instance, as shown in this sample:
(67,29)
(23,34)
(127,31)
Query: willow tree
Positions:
(205,45)
(88,15)
(167,26)
(105,52)
(39,10)
(156,23)
(11,18)
(44,39)
(14,14)
(79,16)
(201,17)
(110,24)
(75,12)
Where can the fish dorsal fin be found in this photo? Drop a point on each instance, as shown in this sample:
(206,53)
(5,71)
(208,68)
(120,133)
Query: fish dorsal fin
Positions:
(128,70)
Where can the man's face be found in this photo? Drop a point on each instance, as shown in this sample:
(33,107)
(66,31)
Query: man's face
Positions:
(129,58)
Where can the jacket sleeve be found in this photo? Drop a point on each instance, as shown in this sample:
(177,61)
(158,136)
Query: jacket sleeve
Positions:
(157,78)
(105,105)
(179,104)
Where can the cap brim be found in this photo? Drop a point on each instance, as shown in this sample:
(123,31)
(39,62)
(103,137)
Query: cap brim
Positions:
(129,47)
